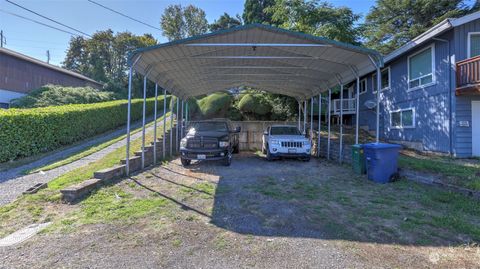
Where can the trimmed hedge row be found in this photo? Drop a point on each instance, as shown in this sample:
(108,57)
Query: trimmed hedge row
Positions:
(26,132)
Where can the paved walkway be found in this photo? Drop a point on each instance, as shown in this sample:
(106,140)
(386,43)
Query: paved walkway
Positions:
(13,183)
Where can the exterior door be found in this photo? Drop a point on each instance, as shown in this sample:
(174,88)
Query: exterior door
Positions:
(476,128)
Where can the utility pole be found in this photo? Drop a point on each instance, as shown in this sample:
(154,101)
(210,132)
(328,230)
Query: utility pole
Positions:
(2,39)
(48,56)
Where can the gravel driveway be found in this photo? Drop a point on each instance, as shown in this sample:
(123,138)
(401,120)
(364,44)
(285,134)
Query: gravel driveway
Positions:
(253,214)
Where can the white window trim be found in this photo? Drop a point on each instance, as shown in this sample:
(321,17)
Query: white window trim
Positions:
(469,53)
(374,81)
(401,118)
(434,77)
(366,86)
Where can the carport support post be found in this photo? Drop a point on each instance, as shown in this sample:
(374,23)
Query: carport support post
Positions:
(171,125)
(181,123)
(299,113)
(127,158)
(143,119)
(329,121)
(305,116)
(177,145)
(340,154)
(164,122)
(357,108)
(319,122)
(155,126)
(379,86)
(311,118)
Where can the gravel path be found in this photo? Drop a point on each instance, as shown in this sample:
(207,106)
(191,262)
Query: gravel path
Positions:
(13,183)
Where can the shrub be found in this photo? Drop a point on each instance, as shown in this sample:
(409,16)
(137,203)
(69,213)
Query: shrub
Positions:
(55,95)
(254,104)
(215,105)
(26,132)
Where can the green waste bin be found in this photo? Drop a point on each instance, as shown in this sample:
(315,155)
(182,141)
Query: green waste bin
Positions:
(358,159)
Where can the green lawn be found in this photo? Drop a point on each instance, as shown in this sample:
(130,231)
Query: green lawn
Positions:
(46,205)
(463,173)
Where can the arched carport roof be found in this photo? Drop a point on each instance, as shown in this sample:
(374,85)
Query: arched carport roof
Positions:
(256,55)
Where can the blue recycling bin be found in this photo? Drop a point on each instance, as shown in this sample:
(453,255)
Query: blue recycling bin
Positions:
(381,161)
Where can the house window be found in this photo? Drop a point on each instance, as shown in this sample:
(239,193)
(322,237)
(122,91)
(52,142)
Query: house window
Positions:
(420,68)
(363,86)
(404,118)
(473,44)
(385,80)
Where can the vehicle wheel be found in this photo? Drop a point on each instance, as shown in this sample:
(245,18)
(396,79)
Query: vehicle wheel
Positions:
(306,159)
(269,155)
(185,162)
(228,160)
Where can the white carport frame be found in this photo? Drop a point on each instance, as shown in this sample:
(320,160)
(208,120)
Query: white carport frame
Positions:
(255,55)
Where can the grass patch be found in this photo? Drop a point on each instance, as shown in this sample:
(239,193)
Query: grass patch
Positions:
(461,174)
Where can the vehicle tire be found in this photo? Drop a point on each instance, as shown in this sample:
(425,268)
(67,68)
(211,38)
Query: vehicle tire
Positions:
(306,159)
(269,155)
(185,162)
(228,160)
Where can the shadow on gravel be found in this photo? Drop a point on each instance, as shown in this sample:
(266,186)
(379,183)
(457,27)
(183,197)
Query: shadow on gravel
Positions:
(319,199)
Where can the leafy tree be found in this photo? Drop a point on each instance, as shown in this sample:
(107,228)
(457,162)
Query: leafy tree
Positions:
(316,18)
(392,23)
(178,22)
(253,11)
(104,57)
(226,22)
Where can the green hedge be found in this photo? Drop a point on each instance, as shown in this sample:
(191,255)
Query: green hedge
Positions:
(26,132)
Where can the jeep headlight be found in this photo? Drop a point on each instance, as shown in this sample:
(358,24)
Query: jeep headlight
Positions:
(224,144)
(306,143)
(274,142)
(183,143)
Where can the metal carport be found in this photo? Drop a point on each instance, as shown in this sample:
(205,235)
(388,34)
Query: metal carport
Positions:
(259,56)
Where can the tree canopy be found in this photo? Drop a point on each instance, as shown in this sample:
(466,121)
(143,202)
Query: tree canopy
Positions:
(316,18)
(104,56)
(392,23)
(225,21)
(254,11)
(179,22)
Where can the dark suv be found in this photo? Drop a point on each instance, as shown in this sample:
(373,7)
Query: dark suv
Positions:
(209,140)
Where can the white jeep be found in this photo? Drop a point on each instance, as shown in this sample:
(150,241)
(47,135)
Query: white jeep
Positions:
(285,141)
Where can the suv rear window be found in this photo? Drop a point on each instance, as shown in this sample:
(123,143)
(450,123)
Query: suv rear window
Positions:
(285,130)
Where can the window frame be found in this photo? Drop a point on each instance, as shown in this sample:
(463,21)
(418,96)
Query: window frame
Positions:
(366,86)
(401,118)
(434,77)
(374,80)
(469,52)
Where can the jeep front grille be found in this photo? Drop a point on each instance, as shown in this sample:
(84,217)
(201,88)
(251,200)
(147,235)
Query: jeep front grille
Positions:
(292,144)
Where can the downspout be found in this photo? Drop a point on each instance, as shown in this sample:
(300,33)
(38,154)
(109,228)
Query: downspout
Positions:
(449,92)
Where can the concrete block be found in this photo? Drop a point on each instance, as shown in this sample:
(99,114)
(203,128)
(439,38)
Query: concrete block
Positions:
(75,192)
(117,171)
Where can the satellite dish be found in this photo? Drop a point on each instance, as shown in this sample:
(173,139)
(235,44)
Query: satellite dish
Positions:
(370,104)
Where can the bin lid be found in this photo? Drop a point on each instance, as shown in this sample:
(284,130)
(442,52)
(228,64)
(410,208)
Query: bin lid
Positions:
(381,146)
(359,146)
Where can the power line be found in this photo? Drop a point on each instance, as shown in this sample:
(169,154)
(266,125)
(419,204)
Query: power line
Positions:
(41,23)
(45,17)
(124,15)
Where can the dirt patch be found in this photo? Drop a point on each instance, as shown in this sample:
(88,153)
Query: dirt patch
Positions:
(259,214)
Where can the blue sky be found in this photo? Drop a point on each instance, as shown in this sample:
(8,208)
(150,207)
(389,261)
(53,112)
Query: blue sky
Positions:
(34,40)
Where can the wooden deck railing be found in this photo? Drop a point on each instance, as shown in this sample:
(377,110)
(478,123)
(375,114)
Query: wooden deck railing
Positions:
(468,72)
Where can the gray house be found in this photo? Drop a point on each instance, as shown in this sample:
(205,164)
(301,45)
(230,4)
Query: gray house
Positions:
(430,94)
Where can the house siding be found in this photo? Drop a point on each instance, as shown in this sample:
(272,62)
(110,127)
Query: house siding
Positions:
(463,104)
(431,104)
